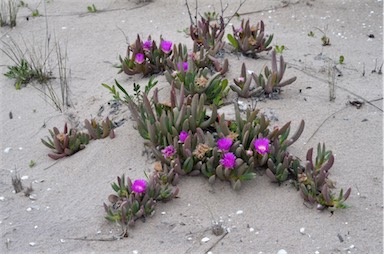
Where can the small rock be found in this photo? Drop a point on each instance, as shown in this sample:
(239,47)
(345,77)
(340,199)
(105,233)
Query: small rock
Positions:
(205,239)
(239,212)
(32,243)
(62,240)
(24,177)
(2,198)
(6,150)
(135,251)
(251,229)
(29,209)
(302,230)
(163,213)
(282,251)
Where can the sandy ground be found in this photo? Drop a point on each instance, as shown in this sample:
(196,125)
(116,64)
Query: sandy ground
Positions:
(261,217)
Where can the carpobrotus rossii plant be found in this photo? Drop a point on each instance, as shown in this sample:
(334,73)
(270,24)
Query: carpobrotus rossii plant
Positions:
(190,141)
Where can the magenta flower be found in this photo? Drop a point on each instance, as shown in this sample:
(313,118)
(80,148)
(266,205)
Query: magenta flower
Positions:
(183,136)
(139,186)
(241,79)
(228,160)
(184,64)
(262,145)
(166,46)
(139,58)
(224,144)
(147,45)
(169,151)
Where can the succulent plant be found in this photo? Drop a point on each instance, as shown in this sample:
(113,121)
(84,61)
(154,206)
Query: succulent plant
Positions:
(208,34)
(199,58)
(98,131)
(135,200)
(272,82)
(281,164)
(198,81)
(65,143)
(315,186)
(250,40)
(146,58)
(242,85)
(161,123)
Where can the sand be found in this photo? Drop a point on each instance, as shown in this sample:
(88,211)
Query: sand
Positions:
(67,213)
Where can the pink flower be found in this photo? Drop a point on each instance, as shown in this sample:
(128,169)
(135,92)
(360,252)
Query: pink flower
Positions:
(166,46)
(147,45)
(228,160)
(139,58)
(224,144)
(262,145)
(169,151)
(241,79)
(183,136)
(139,186)
(185,66)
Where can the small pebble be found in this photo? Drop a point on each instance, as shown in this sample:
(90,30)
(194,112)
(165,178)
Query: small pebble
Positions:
(29,209)
(6,150)
(239,212)
(135,251)
(205,239)
(62,240)
(24,177)
(189,238)
(302,231)
(35,227)
(282,251)
(163,213)
(32,243)
(2,198)
(251,229)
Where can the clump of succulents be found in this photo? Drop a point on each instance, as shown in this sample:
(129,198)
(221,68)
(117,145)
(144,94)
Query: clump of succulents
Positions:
(250,40)
(146,57)
(199,57)
(208,34)
(242,85)
(65,143)
(272,80)
(315,186)
(198,81)
(281,164)
(159,122)
(100,130)
(136,199)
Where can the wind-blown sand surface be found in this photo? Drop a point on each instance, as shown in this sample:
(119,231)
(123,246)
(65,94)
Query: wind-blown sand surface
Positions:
(67,214)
